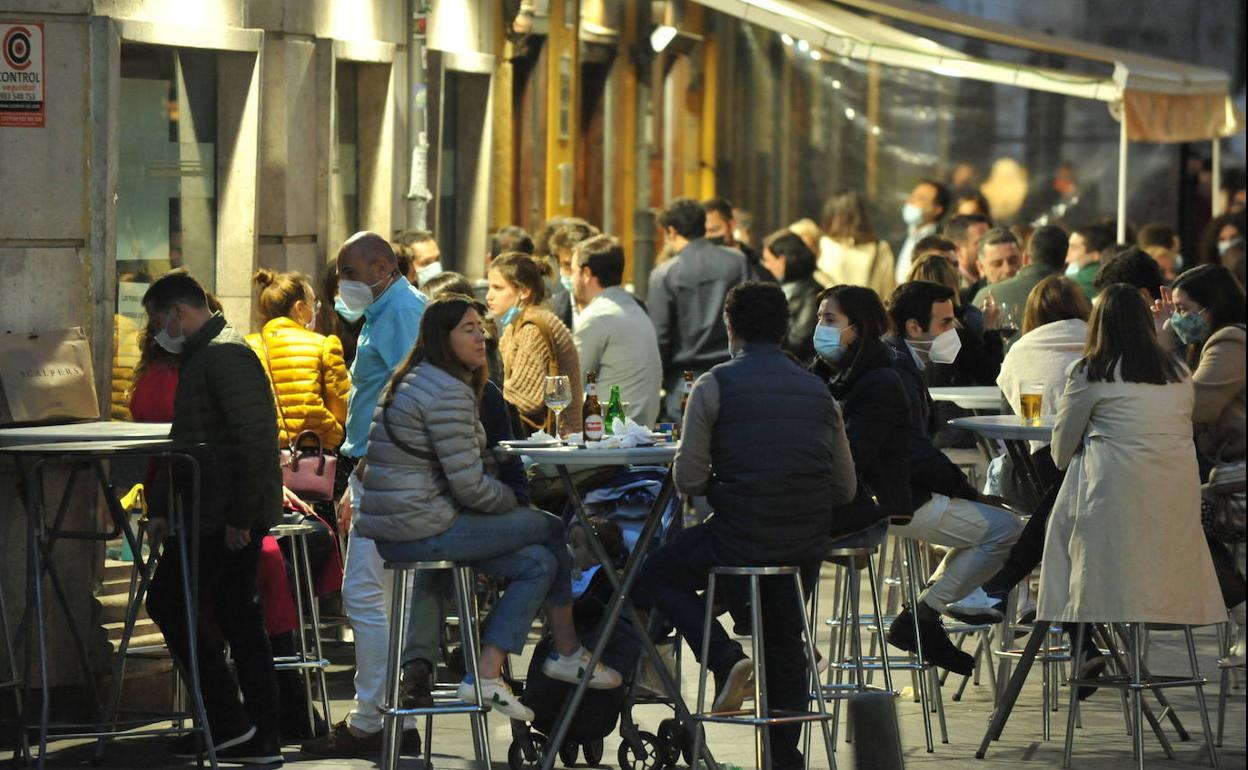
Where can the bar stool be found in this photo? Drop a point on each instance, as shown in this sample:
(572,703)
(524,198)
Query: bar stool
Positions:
(14,682)
(392,714)
(308,660)
(845,652)
(1134,681)
(761,717)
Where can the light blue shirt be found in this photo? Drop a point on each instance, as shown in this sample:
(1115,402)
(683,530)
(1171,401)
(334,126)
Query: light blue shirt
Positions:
(391,325)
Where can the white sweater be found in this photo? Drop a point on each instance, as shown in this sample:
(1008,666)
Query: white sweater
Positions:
(1042,355)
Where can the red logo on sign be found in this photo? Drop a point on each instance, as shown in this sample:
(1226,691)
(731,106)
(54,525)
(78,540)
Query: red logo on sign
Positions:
(16,48)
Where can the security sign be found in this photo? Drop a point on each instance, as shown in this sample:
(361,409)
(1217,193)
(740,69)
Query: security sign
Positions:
(21,75)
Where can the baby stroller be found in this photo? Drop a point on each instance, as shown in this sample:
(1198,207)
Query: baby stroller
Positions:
(626,499)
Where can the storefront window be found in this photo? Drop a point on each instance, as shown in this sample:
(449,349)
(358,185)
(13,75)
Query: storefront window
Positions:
(166,185)
(346,197)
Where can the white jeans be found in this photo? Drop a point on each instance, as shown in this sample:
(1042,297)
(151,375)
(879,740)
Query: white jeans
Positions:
(366,591)
(979,537)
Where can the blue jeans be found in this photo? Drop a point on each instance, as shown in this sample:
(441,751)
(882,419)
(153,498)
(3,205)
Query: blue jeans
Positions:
(526,546)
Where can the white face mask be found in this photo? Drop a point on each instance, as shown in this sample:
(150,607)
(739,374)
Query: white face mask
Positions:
(169,342)
(357,295)
(945,347)
(428,272)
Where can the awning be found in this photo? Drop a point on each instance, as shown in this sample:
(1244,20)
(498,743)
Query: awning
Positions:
(1162,101)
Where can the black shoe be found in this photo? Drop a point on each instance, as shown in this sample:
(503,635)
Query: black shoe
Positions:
(733,685)
(257,751)
(410,744)
(341,743)
(1093,666)
(416,685)
(938,650)
(191,745)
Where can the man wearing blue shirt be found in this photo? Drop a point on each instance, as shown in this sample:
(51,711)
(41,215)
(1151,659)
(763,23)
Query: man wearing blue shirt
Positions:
(369,281)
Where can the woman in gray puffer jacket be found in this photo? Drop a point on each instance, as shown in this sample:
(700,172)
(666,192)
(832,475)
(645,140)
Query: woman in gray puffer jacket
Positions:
(429,495)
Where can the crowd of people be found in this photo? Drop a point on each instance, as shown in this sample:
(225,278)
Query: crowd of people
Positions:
(816,351)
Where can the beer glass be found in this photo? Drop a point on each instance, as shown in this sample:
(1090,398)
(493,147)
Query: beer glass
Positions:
(1031,395)
(557,394)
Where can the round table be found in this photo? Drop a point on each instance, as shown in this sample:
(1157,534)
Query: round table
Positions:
(1006,427)
(973,397)
(578,456)
(107,430)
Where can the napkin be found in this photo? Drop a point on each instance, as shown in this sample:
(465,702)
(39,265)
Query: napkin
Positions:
(626,434)
(540,435)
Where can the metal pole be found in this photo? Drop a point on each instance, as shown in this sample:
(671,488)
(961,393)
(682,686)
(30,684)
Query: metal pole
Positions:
(1122,173)
(418,194)
(1215,177)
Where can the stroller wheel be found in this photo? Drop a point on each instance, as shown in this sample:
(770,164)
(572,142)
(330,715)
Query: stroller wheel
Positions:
(593,753)
(640,753)
(674,743)
(526,753)
(567,753)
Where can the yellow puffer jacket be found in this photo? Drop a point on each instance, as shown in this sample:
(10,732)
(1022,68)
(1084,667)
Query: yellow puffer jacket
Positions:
(125,358)
(309,378)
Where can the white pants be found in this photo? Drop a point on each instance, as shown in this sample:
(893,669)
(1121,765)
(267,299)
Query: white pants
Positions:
(979,537)
(366,590)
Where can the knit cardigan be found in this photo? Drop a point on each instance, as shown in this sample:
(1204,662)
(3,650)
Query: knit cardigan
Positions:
(527,361)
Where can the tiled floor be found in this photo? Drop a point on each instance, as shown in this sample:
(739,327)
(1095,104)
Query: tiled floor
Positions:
(1101,743)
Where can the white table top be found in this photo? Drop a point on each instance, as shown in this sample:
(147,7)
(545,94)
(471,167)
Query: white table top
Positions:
(969,396)
(1008,427)
(659,454)
(112,430)
(94,446)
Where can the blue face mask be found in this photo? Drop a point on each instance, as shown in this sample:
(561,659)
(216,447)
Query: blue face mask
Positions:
(1072,270)
(1190,328)
(509,316)
(911,214)
(1225,246)
(566,281)
(828,343)
(347,314)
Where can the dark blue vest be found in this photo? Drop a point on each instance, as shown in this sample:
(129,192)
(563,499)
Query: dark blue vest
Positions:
(771,460)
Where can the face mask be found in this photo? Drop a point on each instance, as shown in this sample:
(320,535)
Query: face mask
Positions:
(721,240)
(169,342)
(1191,328)
(1072,270)
(828,343)
(509,316)
(945,347)
(426,273)
(1225,246)
(346,313)
(357,295)
(566,281)
(911,214)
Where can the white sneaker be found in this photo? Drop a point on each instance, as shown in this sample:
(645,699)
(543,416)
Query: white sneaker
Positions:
(571,668)
(976,608)
(1237,653)
(498,697)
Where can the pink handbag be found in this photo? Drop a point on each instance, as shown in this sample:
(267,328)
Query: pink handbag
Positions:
(307,470)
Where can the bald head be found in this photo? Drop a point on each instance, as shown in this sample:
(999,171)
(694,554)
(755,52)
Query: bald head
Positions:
(368,258)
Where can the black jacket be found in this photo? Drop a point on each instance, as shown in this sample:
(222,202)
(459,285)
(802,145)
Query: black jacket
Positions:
(876,409)
(803,316)
(930,470)
(224,402)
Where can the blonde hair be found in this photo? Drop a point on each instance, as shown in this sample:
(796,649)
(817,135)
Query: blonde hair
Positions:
(279,292)
(936,268)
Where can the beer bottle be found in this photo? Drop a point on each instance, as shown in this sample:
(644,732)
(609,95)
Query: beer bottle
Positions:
(684,399)
(591,414)
(615,410)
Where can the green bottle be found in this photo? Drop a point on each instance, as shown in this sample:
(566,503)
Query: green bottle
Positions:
(614,410)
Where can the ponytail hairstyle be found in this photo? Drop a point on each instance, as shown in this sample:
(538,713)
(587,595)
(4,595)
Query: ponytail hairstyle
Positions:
(433,345)
(279,292)
(524,272)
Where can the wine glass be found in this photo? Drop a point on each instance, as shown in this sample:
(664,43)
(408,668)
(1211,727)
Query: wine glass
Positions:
(557,393)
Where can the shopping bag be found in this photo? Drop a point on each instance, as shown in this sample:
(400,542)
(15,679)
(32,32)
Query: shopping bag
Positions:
(47,377)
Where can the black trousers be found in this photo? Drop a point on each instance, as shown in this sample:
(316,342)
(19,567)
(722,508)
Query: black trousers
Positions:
(229,611)
(670,581)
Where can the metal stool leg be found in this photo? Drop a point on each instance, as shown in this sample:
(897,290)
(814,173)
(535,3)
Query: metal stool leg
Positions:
(1200,697)
(303,584)
(466,601)
(698,731)
(813,666)
(392,724)
(762,735)
(317,649)
(910,578)
(879,624)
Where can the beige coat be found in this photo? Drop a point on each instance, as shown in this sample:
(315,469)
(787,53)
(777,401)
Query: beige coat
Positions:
(1219,413)
(858,264)
(1124,541)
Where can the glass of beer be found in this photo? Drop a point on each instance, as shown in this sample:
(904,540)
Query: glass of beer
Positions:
(1031,396)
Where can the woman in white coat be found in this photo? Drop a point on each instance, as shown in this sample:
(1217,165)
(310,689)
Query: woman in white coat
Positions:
(1124,542)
